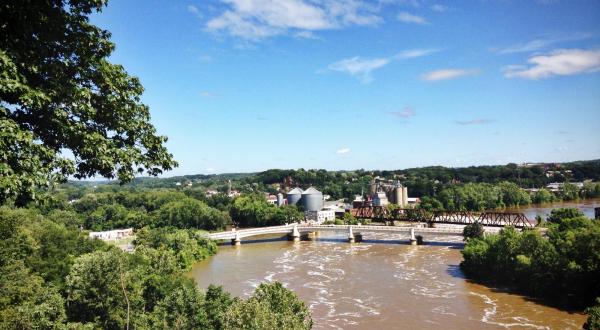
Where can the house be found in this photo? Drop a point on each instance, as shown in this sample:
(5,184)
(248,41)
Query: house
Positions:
(111,234)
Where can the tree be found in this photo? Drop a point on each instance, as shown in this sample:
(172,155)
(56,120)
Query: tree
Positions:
(105,288)
(473,230)
(58,92)
(593,321)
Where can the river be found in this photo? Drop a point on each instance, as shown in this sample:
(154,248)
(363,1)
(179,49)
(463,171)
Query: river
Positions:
(381,283)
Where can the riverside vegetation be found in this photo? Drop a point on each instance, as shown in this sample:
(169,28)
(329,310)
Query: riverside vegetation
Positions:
(563,268)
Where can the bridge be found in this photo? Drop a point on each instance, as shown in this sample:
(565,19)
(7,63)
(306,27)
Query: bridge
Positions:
(488,219)
(354,232)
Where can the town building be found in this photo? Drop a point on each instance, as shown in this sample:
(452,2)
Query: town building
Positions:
(110,235)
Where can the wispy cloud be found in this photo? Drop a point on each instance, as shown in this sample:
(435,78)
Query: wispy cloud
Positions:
(439,8)
(255,20)
(194,10)
(446,74)
(209,94)
(343,151)
(363,67)
(405,113)
(479,121)
(413,53)
(409,18)
(562,62)
(541,43)
(357,66)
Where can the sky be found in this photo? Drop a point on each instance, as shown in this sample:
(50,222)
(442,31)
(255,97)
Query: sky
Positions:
(249,85)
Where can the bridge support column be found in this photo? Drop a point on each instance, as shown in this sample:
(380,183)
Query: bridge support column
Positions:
(413,239)
(294,235)
(237,241)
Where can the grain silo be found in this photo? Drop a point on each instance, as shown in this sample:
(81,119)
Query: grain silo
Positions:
(404,196)
(312,200)
(397,199)
(279,199)
(294,196)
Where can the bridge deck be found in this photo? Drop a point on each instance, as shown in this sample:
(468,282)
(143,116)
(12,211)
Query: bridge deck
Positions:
(238,234)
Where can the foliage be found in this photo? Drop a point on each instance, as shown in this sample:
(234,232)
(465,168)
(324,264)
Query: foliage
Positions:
(58,91)
(254,211)
(473,230)
(187,246)
(272,306)
(563,267)
(190,213)
(593,321)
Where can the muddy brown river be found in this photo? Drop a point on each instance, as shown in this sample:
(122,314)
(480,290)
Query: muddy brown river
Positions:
(381,283)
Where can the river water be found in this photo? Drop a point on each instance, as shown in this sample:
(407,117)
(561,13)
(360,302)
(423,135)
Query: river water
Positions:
(381,283)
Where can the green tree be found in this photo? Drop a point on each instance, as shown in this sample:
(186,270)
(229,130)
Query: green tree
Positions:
(473,230)
(105,288)
(593,321)
(58,91)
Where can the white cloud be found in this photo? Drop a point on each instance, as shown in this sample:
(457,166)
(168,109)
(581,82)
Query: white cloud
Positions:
(479,121)
(405,113)
(343,151)
(446,74)
(258,19)
(359,67)
(413,53)
(412,19)
(541,43)
(193,9)
(562,62)
(439,8)
(362,68)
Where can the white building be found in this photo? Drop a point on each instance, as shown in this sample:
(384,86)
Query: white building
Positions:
(320,216)
(111,234)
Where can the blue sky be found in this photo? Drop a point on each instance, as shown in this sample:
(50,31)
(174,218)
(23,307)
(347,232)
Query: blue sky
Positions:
(248,85)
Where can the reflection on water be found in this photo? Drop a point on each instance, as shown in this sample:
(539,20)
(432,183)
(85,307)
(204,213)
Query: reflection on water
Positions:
(378,284)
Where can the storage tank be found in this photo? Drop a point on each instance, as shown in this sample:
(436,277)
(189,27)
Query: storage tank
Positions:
(398,196)
(279,199)
(312,200)
(294,196)
(404,196)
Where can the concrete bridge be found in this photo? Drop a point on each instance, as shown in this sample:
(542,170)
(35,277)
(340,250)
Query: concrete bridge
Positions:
(354,233)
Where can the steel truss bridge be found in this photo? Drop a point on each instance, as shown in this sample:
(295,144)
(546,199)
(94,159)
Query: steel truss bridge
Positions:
(489,219)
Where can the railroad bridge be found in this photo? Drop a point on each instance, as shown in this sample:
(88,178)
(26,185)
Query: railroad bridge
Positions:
(354,232)
(488,219)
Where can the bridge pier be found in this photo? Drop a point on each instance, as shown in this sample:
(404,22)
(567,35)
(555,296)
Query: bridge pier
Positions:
(237,241)
(294,235)
(413,239)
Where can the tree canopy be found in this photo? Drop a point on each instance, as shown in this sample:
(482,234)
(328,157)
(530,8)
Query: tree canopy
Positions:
(64,108)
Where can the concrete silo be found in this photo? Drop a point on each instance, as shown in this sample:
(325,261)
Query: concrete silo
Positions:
(397,195)
(279,199)
(294,196)
(404,196)
(312,200)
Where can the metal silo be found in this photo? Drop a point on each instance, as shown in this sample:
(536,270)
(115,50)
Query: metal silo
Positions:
(294,196)
(312,200)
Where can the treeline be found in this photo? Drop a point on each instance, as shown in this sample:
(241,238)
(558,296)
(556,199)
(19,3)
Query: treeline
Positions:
(485,196)
(563,268)
(104,209)
(53,277)
(131,208)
